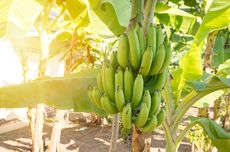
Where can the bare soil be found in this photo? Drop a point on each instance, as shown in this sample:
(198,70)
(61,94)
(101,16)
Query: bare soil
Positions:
(78,136)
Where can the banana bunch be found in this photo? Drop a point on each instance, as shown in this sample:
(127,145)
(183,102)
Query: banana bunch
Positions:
(130,82)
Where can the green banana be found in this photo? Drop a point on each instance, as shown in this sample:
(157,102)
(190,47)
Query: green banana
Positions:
(114,59)
(119,78)
(99,81)
(150,125)
(155,103)
(108,105)
(168,54)
(137,91)
(135,58)
(146,61)
(123,51)
(161,116)
(160,36)
(151,38)
(109,81)
(90,94)
(141,38)
(103,68)
(147,100)
(119,98)
(128,84)
(142,116)
(160,81)
(96,96)
(158,61)
(126,116)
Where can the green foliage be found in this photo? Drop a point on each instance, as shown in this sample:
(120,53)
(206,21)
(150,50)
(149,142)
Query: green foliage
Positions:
(62,93)
(219,138)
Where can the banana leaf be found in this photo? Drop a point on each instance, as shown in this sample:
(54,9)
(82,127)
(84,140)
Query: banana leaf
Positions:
(68,92)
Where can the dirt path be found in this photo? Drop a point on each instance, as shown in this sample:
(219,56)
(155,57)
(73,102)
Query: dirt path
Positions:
(78,136)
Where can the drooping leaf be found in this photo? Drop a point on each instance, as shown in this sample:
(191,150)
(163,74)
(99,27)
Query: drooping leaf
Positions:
(219,138)
(218,16)
(17,16)
(62,93)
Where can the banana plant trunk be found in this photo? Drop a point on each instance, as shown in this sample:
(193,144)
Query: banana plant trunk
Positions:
(115,129)
(141,142)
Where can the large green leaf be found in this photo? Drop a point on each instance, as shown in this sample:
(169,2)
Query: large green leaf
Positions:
(218,16)
(17,16)
(174,17)
(219,138)
(62,93)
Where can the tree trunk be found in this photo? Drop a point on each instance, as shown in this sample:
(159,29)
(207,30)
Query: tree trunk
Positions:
(141,142)
(115,129)
(226,122)
(38,142)
(56,132)
(216,108)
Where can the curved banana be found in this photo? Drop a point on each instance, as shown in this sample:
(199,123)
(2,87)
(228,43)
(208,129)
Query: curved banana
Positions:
(151,38)
(160,36)
(135,58)
(161,116)
(142,116)
(99,81)
(146,61)
(126,116)
(141,38)
(137,91)
(119,98)
(108,105)
(147,99)
(160,81)
(103,68)
(96,96)
(109,81)
(90,95)
(168,54)
(119,78)
(128,84)
(158,61)
(156,102)
(123,51)
(150,125)
(113,59)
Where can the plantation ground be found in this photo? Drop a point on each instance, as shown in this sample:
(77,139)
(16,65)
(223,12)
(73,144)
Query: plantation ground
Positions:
(77,135)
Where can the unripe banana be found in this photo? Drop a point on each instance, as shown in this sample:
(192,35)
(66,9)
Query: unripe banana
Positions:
(158,61)
(90,95)
(123,51)
(150,125)
(108,105)
(126,117)
(109,81)
(151,38)
(114,59)
(119,98)
(135,58)
(119,78)
(147,99)
(155,103)
(99,81)
(103,68)
(146,61)
(160,36)
(142,116)
(137,91)
(160,81)
(96,96)
(141,38)
(128,84)
(168,54)
(161,116)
